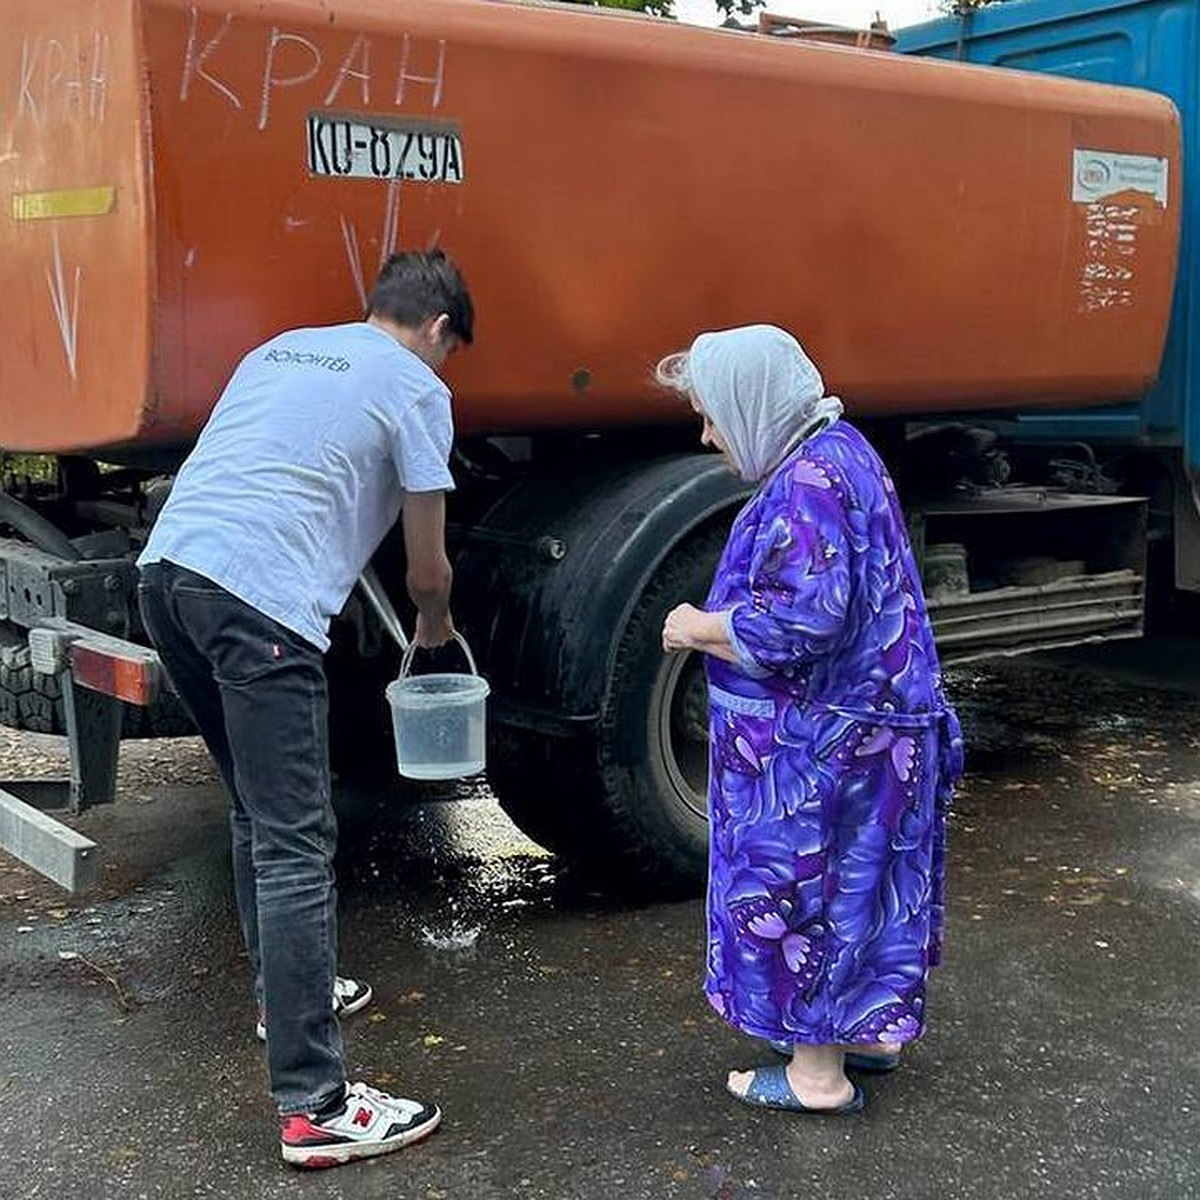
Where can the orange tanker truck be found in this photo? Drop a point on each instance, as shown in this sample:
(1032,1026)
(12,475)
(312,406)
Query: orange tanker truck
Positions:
(954,244)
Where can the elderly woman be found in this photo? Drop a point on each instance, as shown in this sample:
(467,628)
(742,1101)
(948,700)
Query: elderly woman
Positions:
(833,749)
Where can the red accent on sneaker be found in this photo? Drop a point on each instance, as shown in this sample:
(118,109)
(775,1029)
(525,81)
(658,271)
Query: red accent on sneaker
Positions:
(363,1117)
(301,1130)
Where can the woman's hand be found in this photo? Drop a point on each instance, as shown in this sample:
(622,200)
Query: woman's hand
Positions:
(690,628)
(681,628)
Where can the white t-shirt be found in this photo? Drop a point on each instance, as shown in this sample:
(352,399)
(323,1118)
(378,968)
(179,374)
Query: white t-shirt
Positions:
(302,469)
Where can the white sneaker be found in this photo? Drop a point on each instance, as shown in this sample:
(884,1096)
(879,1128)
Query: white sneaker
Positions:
(368,1123)
(349,995)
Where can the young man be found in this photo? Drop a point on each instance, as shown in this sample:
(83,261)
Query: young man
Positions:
(320,439)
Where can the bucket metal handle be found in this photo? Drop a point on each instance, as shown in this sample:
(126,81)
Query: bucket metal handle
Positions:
(406,661)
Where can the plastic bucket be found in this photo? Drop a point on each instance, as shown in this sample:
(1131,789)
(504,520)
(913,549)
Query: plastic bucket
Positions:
(439,721)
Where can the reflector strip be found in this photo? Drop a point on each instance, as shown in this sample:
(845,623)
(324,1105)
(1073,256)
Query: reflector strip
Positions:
(126,678)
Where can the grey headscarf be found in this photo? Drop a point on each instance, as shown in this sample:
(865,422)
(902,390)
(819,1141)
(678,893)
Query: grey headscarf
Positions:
(760,390)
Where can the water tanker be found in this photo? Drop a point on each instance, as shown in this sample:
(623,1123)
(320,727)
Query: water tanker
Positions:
(183,180)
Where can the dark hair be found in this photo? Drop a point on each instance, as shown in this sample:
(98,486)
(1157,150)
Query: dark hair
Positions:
(414,286)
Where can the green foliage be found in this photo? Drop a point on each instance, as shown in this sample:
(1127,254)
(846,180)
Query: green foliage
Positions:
(36,468)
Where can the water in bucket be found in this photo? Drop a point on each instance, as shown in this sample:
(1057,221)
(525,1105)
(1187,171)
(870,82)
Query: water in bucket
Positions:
(439,721)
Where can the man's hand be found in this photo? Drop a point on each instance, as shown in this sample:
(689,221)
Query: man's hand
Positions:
(432,632)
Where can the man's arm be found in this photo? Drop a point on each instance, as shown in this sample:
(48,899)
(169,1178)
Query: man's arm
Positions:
(429,571)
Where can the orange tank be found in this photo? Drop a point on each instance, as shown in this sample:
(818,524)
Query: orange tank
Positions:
(181,180)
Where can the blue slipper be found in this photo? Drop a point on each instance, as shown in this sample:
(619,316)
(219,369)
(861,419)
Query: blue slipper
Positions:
(769,1088)
(866,1064)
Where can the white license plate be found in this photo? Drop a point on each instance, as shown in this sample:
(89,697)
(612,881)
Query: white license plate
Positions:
(350,148)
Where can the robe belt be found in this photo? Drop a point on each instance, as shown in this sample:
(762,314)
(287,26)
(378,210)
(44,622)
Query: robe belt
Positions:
(949,732)
(879,716)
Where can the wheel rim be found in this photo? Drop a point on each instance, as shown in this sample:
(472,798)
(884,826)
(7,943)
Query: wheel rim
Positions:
(683,731)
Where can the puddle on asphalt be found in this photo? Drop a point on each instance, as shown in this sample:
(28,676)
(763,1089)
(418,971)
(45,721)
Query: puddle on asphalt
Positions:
(1027,708)
(455,938)
(455,870)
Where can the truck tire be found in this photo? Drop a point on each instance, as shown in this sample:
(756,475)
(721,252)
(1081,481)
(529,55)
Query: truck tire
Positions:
(28,700)
(32,701)
(628,801)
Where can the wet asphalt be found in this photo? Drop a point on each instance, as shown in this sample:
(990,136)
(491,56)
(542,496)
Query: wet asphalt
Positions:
(564,1032)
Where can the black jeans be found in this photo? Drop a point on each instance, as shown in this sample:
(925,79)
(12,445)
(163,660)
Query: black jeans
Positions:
(257,694)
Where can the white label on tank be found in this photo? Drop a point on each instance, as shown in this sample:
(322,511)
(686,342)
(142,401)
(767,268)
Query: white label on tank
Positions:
(1098,174)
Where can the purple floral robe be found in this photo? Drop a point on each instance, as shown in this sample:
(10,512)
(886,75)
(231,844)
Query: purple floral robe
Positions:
(833,755)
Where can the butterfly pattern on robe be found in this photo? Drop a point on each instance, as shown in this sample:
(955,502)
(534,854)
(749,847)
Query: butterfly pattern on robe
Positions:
(833,758)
